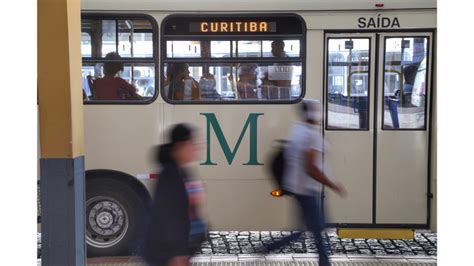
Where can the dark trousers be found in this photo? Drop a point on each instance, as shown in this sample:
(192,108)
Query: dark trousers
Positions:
(311,212)
(393,107)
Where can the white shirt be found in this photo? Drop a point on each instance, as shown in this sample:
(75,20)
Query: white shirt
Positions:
(303,136)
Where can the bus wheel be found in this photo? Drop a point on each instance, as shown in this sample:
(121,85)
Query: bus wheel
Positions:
(112,209)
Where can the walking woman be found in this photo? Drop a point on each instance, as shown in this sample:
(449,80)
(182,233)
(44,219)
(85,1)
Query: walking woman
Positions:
(169,240)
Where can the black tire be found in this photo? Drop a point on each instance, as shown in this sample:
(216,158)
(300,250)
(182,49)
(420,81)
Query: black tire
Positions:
(112,211)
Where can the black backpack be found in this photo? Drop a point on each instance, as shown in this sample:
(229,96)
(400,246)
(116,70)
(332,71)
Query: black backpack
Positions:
(277,164)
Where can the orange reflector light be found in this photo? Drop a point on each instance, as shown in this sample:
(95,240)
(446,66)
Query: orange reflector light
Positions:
(277,193)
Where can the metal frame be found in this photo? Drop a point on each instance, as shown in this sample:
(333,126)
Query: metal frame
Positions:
(430,136)
(301,59)
(130,60)
(374,145)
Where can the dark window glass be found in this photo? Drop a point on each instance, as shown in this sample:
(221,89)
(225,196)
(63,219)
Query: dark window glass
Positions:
(232,82)
(118,59)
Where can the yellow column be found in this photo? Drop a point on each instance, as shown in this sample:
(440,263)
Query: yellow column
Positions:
(59,78)
(61,133)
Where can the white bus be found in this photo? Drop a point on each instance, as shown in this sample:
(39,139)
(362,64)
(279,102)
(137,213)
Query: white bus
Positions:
(254,61)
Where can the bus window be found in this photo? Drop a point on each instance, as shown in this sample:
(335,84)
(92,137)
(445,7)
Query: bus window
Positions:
(118,58)
(347,87)
(404,82)
(232,59)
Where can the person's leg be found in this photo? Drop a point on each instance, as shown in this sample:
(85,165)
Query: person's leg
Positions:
(315,223)
(393,107)
(285,240)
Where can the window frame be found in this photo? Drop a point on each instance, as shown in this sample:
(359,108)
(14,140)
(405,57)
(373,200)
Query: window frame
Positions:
(427,88)
(326,82)
(235,37)
(133,60)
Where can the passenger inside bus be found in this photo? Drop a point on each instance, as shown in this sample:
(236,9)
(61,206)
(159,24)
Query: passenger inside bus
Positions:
(409,74)
(402,99)
(146,88)
(207,86)
(111,86)
(247,83)
(179,85)
(277,81)
(278,48)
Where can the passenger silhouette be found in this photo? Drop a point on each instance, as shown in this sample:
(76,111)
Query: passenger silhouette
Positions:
(112,87)
(179,85)
(247,83)
(274,87)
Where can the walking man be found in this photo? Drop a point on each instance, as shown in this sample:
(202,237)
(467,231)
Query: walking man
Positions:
(304,177)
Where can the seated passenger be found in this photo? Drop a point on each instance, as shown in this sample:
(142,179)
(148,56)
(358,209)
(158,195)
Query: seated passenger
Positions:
(145,87)
(278,48)
(247,83)
(277,81)
(86,89)
(179,85)
(207,86)
(112,87)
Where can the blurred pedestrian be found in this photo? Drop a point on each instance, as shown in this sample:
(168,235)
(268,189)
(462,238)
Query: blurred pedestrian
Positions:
(304,178)
(169,239)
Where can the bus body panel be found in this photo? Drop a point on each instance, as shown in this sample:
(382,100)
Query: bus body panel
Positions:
(249,5)
(121,137)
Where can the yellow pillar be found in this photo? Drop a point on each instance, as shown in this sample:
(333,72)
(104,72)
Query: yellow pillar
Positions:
(61,133)
(59,76)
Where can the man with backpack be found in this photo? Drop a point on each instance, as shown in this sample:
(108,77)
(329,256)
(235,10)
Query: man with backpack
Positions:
(303,175)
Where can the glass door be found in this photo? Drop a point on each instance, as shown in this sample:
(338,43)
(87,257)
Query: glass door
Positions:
(377,89)
(402,139)
(349,123)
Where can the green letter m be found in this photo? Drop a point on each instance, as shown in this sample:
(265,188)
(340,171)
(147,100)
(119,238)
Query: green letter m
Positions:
(230,154)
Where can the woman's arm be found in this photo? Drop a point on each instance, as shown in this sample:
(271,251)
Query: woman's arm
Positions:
(130,89)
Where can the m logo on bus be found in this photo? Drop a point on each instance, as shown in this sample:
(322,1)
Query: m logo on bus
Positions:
(229,153)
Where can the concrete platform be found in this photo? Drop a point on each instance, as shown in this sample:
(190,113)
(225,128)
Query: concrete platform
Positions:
(275,260)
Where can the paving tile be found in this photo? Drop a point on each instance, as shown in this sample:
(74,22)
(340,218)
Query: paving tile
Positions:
(217,258)
(279,257)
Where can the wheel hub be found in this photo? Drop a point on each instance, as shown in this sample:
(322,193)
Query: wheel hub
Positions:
(107,222)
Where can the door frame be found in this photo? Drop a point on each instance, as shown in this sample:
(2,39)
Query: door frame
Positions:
(428,121)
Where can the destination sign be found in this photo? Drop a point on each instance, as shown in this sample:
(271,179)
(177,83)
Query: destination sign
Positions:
(233,26)
(241,24)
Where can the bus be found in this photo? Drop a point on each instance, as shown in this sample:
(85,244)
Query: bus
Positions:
(253,64)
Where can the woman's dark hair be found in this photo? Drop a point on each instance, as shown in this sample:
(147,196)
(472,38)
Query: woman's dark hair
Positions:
(179,133)
(112,68)
(173,70)
(307,107)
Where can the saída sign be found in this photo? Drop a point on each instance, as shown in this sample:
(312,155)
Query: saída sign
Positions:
(378,22)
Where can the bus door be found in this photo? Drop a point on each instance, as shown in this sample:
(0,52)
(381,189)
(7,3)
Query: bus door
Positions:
(349,123)
(376,124)
(401,189)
